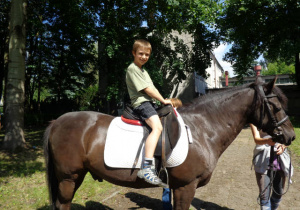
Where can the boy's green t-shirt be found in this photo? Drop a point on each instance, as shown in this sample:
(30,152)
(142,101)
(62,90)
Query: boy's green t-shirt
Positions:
(137,80)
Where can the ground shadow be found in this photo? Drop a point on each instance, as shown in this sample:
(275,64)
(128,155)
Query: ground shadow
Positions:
(90,205)
(199,204)
(144,201)
(152,203)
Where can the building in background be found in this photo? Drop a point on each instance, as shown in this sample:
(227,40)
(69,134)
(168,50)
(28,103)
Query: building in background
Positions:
(195,85)
(282,79)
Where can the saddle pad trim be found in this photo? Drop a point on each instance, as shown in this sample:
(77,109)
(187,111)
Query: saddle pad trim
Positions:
(137,122)
(131,122)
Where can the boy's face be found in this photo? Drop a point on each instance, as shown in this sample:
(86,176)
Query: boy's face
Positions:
(141,56)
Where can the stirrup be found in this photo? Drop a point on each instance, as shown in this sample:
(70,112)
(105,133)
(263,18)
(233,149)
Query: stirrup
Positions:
(163,169)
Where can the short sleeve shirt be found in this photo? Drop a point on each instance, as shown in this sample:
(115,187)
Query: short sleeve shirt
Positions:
(137,80)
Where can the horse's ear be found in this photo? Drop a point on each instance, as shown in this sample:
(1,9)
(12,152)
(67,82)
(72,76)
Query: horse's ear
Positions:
(271,85)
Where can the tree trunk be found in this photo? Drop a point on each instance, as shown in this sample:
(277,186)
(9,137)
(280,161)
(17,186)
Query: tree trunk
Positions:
(15,90)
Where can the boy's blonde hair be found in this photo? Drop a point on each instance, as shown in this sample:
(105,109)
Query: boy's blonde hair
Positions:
(141,43)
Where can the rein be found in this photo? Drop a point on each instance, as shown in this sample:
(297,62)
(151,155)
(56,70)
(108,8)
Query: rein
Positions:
(275,125)
(272,176)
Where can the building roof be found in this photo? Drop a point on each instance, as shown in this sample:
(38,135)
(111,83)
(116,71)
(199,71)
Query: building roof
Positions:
(217,62)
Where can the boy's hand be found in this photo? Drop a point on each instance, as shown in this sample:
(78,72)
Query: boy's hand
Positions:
(167,101)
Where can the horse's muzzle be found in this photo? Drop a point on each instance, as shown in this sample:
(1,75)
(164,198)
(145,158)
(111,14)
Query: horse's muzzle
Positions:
(280,138)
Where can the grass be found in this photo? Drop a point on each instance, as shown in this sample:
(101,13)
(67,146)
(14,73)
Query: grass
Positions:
(295,146)
(23,183)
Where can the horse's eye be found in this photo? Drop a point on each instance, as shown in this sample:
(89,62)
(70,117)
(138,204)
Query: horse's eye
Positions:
(277,109)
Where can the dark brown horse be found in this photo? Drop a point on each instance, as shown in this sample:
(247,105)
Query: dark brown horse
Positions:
(74,143)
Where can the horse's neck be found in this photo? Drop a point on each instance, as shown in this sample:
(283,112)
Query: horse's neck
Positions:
(217,122)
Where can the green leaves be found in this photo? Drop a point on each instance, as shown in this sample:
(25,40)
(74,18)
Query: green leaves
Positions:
(256,27)
(74,45)
(278,67)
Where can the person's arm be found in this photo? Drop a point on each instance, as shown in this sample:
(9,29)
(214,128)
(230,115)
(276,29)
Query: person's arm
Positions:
(258,139)
(153,93)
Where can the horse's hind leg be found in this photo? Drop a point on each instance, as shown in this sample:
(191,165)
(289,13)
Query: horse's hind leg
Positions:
(66,191)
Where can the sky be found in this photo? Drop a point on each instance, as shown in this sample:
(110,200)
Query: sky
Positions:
(219,53)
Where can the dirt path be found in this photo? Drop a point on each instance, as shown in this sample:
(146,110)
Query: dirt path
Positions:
(233,185)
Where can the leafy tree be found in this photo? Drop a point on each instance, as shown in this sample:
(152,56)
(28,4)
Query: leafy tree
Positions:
(14,109)
(60,50)
(69,41)
(120,22)
(70,47)
(255,27)
(278,67)
(36,52)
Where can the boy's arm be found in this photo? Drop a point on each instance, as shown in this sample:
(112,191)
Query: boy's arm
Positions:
(153,93)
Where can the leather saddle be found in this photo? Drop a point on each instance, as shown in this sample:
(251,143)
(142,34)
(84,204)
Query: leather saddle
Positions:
(171,128)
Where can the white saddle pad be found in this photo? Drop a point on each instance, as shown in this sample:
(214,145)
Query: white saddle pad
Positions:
(123,141)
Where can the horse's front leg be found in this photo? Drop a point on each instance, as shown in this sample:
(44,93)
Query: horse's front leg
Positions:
(183,196)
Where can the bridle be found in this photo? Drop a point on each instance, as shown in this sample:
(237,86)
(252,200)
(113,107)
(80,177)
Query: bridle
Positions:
(275,125)
(276,135)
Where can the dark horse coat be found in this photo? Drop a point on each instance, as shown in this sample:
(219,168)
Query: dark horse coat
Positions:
(74,143)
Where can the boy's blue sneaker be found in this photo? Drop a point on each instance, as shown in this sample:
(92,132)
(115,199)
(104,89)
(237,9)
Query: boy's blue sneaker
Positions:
(149,175)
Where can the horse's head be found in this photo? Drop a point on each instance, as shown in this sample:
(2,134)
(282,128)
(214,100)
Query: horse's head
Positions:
(269,112)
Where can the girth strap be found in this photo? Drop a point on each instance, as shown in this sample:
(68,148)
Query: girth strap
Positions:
(146,134)
(163,154)
(163,146)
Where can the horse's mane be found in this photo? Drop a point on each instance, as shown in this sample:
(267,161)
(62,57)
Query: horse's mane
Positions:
(277,91)
(206,100)
(282,98)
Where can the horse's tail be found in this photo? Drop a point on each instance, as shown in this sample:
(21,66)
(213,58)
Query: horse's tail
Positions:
(52,181)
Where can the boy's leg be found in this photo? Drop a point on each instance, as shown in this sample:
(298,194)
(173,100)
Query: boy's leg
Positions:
(148,172)
(148,113)
(153,137)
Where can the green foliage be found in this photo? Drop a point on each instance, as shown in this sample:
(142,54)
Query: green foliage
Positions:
(4,18)
(256,27)
(23,184)
(60,50)
(73,45)
(87,98)
(119,23)
(295,146)
(278,67)
(44,94)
